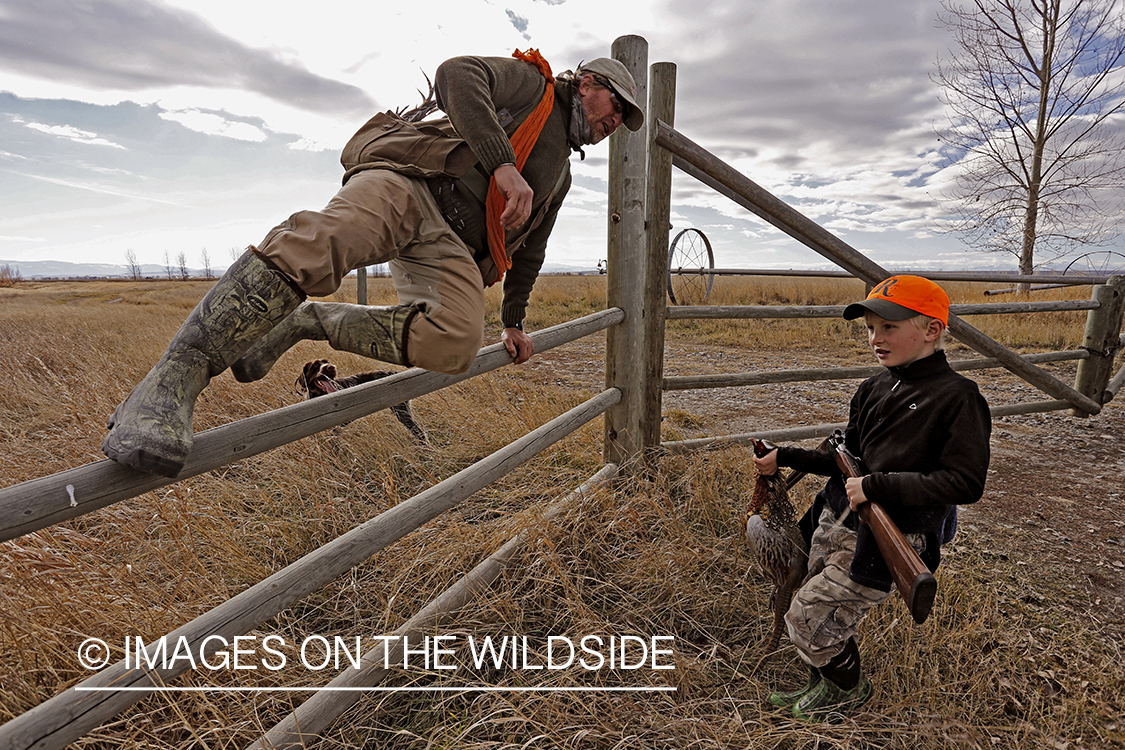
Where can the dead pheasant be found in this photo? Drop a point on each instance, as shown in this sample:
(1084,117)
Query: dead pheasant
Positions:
(775,541)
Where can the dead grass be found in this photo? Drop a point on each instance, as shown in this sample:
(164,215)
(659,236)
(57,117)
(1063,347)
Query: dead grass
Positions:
(1007,661)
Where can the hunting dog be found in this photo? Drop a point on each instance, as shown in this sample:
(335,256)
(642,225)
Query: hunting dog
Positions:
(319,378)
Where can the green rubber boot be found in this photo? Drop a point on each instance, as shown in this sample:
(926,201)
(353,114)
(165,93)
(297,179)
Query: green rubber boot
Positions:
(828,702)
(376,332)
(789,698)
(152,429)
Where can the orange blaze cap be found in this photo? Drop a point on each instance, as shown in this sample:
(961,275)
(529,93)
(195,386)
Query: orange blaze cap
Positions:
(902,297)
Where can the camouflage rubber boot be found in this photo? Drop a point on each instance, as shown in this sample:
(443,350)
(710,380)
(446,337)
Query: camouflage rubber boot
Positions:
(152,429)
(376,332)
(842,689)
(789,698)
(830,703)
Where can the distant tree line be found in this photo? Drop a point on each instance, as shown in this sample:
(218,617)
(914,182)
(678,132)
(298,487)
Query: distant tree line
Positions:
(9,276)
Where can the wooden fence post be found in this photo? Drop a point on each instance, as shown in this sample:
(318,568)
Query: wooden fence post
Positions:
(625,273)
(1103,328)
(658,188)
(361,285)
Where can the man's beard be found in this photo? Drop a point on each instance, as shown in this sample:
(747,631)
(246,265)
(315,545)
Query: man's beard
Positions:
(581,134)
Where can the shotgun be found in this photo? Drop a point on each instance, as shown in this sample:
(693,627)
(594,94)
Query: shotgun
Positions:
(912,578)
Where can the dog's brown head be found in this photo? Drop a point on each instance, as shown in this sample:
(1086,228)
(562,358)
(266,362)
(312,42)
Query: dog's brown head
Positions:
(317,378)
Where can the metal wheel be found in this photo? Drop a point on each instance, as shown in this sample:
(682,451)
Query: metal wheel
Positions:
(689,259)
(1103,263)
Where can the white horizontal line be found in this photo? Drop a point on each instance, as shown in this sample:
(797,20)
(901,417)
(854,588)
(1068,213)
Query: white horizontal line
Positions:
(408,689)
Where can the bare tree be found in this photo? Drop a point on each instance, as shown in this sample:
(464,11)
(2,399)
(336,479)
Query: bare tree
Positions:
(181,261)
(1033,90)
(132,264)
(205,259)
(168,266)
(9,275)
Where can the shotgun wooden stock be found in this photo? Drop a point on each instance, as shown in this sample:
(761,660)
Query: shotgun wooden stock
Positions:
(912,578)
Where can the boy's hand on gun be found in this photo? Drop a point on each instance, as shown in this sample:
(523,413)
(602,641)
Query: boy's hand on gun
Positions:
(856,497)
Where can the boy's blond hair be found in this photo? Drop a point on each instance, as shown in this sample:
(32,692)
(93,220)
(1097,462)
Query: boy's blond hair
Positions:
(923,322)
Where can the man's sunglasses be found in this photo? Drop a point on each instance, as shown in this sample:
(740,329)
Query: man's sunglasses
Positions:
(618,106)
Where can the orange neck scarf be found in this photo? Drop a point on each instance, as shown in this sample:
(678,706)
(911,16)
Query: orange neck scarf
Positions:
(523,140)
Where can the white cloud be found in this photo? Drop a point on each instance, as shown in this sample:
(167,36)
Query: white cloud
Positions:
(827,105)
(76,184)
(213,124)
(304,144)
(69,133)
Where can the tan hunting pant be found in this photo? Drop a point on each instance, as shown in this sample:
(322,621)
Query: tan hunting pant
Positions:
(827,608)
(381,216)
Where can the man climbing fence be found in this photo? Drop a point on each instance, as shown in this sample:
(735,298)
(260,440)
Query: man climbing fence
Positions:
(453,205)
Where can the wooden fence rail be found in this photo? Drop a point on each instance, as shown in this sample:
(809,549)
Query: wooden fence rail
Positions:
(735,312)
(823,430)
(728,380)
(318,712)
(41,502)
(70,714)
(714,172)
(1057,280)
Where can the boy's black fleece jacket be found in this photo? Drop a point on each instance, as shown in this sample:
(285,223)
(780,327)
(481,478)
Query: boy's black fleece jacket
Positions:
(922,431)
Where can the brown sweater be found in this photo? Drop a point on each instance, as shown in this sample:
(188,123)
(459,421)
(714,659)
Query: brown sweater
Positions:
(472,90)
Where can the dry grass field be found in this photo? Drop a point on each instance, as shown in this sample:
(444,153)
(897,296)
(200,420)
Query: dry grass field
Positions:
(1024,649)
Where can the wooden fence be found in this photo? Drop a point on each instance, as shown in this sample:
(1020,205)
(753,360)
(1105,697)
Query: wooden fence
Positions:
(646,235)
(637,237)
(35,504)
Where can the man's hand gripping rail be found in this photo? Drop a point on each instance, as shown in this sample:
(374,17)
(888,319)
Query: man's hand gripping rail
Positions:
(912,578)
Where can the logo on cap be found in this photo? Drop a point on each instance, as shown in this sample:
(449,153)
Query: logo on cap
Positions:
(901,297)
(884,288)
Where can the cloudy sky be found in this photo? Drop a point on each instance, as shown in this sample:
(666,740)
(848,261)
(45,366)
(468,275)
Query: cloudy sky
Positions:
(168,126)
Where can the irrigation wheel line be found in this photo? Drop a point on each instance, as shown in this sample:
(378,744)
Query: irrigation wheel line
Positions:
(1100,263)
(692,263)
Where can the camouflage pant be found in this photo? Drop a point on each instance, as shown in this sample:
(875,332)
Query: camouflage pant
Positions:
(829,605)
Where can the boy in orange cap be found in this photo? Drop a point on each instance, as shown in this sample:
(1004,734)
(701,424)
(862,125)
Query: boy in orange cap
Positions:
(922,431)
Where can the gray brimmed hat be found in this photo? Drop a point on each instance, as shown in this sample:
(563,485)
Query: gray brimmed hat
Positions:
(621,81)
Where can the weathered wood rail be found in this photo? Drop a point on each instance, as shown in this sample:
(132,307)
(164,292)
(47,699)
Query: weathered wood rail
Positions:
(42,502)
(318,712)
(1057,280)
(86,706)
(824,430)
(728,380)
(734,312)
(1103,322)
